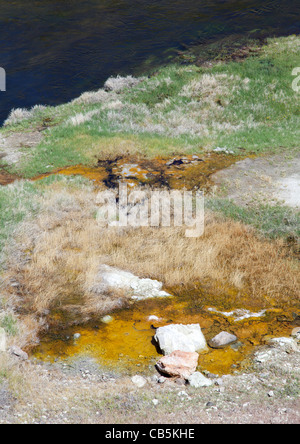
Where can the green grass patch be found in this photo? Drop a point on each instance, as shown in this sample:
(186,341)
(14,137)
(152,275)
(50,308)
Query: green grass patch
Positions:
(9,324)
(244,105)
(16,202)
(271,221)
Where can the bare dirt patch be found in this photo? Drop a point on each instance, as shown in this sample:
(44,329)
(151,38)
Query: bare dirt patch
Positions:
(15,145)
(268,180)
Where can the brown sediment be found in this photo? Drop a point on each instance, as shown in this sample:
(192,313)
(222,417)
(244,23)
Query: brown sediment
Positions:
(98,175)
(179,172)
(6,178)
(188,171)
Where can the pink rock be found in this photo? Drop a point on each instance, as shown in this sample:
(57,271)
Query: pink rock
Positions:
(178,363)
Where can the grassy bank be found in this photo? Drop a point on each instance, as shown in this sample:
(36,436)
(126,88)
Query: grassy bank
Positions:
(244,106)
(17,202)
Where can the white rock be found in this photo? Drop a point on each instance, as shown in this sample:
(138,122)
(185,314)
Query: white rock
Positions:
(183,395)
(139,381)
(288,344)
(107,319)
(155,401)
(161,379)
(240,314)
(198,380)
(187,338)
(263,356)
(140,288)
(2,340)
(153,318)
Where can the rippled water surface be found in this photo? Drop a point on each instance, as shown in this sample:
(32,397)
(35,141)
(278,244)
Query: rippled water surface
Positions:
(52,50)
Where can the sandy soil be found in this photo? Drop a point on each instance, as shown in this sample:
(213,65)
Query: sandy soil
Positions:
(13,146)
(273,180)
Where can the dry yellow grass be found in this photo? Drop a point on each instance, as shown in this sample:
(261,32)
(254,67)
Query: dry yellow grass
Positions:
(111,147)
(229,254)
(56,260)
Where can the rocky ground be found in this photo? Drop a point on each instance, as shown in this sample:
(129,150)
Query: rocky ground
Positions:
(79,391)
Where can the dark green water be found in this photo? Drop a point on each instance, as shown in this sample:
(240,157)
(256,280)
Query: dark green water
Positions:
(53,50)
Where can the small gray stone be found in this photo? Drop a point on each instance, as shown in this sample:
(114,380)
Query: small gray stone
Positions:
(107,319)
(161,379)
(198,380)
(209,404)
(222,339)
(139,381)
(17,351)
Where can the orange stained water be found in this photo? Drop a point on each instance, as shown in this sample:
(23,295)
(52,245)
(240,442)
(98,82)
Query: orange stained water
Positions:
(126,344)
(189,171)
(98,175)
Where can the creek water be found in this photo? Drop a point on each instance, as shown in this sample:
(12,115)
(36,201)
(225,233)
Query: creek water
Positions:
(53,50)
